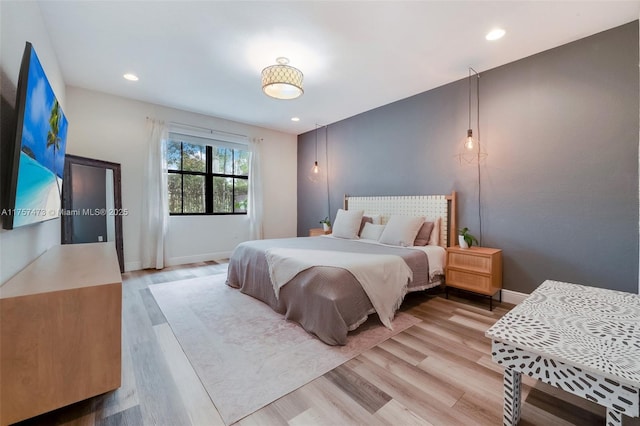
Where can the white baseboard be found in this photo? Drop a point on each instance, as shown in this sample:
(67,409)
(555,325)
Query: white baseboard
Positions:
(182,260)
(513,297)
(132,266)
(197,258)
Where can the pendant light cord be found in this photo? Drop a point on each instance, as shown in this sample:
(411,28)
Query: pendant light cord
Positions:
(469,83)
(479,148)
(316,143)
(326,156)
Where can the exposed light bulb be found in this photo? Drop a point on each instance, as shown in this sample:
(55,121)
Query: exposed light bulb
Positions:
(314,174)
(469,143)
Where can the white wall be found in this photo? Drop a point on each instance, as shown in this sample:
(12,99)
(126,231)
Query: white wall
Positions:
(112,128)
(21,22)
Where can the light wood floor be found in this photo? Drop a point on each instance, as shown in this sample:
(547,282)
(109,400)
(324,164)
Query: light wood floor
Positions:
(438,372)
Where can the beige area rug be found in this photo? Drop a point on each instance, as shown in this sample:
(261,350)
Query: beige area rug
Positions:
(247,355)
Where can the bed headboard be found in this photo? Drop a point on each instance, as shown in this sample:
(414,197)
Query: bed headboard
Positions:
(430,206)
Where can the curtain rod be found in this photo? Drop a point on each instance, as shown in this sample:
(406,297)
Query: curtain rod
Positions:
(212,131)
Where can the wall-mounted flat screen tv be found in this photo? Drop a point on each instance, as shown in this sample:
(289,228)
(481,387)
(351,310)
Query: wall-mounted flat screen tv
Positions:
(35,183)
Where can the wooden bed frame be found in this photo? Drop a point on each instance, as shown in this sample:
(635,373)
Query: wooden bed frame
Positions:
(431,207)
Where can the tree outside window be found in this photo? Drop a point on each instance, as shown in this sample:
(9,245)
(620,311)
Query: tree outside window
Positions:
(207,179)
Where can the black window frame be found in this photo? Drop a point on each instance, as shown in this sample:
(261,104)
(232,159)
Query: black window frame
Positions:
(209,175)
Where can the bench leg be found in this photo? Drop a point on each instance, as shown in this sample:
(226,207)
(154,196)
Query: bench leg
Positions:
(614,418)
(512,396)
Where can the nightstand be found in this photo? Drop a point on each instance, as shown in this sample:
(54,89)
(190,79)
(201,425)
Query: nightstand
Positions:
(476,269)
(314,232)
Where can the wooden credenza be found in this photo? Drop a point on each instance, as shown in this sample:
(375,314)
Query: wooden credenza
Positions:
(60,330)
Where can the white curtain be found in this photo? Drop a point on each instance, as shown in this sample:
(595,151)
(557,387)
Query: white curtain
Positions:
(155,204)
(255,208)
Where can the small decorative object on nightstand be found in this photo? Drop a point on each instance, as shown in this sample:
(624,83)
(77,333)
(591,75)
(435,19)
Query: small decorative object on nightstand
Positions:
(475,269)
(326,224)
(314,232)
(465,239)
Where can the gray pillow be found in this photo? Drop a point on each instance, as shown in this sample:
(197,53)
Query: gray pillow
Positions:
(422,239)
(365,220)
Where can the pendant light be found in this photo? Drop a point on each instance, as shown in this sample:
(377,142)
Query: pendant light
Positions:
(315,170)
(469,143)
(471,151)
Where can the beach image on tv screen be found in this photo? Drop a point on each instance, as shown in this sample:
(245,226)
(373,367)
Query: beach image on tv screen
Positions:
(41,167)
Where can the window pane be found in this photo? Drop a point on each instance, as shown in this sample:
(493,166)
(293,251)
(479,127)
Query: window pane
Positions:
(241,160)
(173,155)
(193,196)
(188,192)
(222,160)
(241,199)
(194,157)
(175,193)
(222,195)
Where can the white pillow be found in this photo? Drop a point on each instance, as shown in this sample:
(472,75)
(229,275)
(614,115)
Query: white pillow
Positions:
(434,239)
(347,224)
(369,218)
(401,230)
(371,231)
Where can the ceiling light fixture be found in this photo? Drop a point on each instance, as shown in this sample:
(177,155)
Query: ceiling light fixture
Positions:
(131,77)
(282,81)
(295,119)
(495,34)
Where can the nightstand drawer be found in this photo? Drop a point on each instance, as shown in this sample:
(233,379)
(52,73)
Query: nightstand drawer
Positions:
(470,262)
(470,281)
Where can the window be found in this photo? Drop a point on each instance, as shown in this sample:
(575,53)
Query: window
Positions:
(207,179)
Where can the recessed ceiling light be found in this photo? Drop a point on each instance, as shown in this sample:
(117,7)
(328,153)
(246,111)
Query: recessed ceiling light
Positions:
(131,77)
(295,118)
(495,34)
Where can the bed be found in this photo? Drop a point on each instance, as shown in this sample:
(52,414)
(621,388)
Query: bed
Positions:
(329,301)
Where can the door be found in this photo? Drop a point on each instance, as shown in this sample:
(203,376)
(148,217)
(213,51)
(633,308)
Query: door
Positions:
(91,203)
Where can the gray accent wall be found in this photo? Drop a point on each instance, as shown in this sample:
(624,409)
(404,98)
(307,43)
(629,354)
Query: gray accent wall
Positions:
(559,188)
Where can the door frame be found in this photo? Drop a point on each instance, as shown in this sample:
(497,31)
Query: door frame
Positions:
(67,196)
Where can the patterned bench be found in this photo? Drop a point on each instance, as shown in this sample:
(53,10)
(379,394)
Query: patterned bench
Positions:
(581,339)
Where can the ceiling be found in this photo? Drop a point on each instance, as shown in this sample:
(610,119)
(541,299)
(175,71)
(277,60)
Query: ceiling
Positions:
(206,56)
